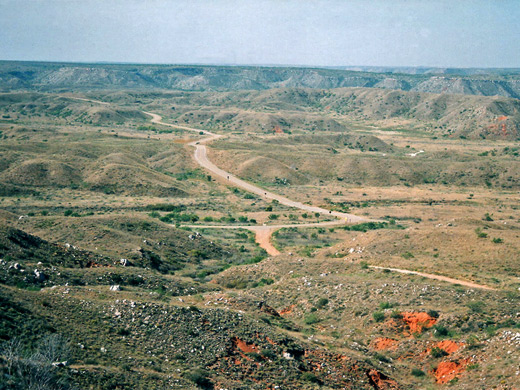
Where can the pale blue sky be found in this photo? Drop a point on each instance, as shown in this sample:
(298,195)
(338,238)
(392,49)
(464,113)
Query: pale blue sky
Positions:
(454,33)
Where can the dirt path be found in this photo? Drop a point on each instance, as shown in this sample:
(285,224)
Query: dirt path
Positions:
(264,233)
(201,158)
(263,238)
(86,100)
(436,277)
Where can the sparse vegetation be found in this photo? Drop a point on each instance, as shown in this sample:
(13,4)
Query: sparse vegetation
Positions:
(201,307)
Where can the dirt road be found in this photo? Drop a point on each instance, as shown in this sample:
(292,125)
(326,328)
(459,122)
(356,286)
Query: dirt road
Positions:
(436,277)
(201,158)
(263,233)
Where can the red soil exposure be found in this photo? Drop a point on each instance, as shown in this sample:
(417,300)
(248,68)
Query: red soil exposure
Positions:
(504,129)
(446,371)
(417,321)
(287,310)
(384,343)
(270,341)
(449,346)
(502,118)
(277,130)
(268,309)
(243,346)
(380,381)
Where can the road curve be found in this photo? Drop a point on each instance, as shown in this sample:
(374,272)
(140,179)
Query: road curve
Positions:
(263,233)
(201,158)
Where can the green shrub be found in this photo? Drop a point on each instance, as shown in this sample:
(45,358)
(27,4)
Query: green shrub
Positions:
(268,354)
(476,306)
(311,319)
(441,331)
(381,358)
(418,372)
(386,305)
(322,302)
(309,377)
(200,377)
(437,352)
(378,316)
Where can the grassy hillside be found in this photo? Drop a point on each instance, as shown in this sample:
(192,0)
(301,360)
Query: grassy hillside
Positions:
(130,267)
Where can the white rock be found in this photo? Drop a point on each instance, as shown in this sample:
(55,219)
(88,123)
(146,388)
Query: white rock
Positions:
(288,356)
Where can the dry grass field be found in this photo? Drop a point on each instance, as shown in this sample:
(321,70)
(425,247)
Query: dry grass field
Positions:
(84,185)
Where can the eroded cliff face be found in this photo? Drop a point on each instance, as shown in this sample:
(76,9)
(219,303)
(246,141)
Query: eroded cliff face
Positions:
(106,76)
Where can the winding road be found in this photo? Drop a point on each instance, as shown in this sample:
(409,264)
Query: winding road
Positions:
(263,233)
(201,158)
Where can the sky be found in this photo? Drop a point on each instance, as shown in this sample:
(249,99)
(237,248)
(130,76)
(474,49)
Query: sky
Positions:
(433,33)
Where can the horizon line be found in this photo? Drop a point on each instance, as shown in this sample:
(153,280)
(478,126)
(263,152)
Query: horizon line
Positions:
(339,67)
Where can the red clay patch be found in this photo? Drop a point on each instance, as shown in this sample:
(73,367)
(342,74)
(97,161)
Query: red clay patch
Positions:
(287,310)
(380,381)
(416,322)
(244,347)
(270,341)
(449,346)
(447,371)
(502,118)
(384,343)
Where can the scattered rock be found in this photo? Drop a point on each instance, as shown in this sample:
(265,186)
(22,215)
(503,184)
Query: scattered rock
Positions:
(39,275)
(288,356)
